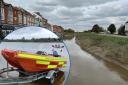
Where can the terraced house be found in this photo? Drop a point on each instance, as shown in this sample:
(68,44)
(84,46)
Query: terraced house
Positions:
(6,18)
(12,18)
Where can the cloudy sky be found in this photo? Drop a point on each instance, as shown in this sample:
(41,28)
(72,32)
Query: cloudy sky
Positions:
(78,14)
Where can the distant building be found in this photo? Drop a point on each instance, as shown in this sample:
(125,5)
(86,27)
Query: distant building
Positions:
(48,26)
(58,29)
(44,22)
(126,26)
(39,19)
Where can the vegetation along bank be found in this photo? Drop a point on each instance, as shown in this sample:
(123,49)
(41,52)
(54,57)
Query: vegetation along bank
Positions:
(113,49)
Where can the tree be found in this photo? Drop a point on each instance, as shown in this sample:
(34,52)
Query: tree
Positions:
(121,30)
(23,38)
(112,28)
(69,30)
(96,28)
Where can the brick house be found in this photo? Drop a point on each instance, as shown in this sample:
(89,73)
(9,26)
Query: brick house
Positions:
(31,19)
(1,11)
(38,19)
(8,13)
(44,21)
(48,26)
(15,16)
(58,29)
(5,13)
(6,18)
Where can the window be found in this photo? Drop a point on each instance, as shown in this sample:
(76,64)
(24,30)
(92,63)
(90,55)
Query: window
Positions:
(20,18)
(25,21)
(2,14)
(10,14)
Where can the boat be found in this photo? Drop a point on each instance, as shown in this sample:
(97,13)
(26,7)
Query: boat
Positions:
(33,63)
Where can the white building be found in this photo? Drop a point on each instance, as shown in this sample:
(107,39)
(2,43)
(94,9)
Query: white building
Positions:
(126,26)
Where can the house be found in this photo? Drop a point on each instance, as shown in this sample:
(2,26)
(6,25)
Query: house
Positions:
(9,13)
(38,19)
(1,18)
(41,21)
(45,22)
(48,26)
(12,18)
(15,16)
(126,26)
(20,16)
(30,19)
(58,30)
(6,18)
(4,11)
(1,11)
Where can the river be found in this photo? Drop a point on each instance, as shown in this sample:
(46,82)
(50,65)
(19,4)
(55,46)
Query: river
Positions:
(88,70)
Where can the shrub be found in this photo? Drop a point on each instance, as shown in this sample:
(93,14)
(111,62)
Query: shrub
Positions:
(69,30)
(121,30)
(96,28)
(112,28)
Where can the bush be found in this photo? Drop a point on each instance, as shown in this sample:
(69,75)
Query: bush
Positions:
(69,30)
(121,30)
(96,28)
(87,31)
(112,28)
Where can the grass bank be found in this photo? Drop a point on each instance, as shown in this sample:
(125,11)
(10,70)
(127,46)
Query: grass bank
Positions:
(113,49)
(68,35)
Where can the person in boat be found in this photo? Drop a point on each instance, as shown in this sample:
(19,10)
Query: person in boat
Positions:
(41,53)
(55,53)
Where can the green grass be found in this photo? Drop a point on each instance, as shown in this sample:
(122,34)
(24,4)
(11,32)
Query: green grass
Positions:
(68,35)
(112,47)
(104,39)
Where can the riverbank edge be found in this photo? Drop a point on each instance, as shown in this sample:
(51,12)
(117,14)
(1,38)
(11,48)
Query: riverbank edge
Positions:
(102,58)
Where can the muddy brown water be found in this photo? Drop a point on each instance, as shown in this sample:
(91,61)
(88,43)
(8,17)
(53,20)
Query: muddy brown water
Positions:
(88,70)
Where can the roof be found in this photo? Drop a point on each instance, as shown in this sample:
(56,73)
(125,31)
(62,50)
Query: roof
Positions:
(31,32)
(6,4)
(36,15)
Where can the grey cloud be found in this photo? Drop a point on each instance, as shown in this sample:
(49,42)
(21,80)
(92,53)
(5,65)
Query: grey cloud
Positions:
(73,3)
(80,3)
(43,8)
(80,14)
(73,12)
(117,8)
